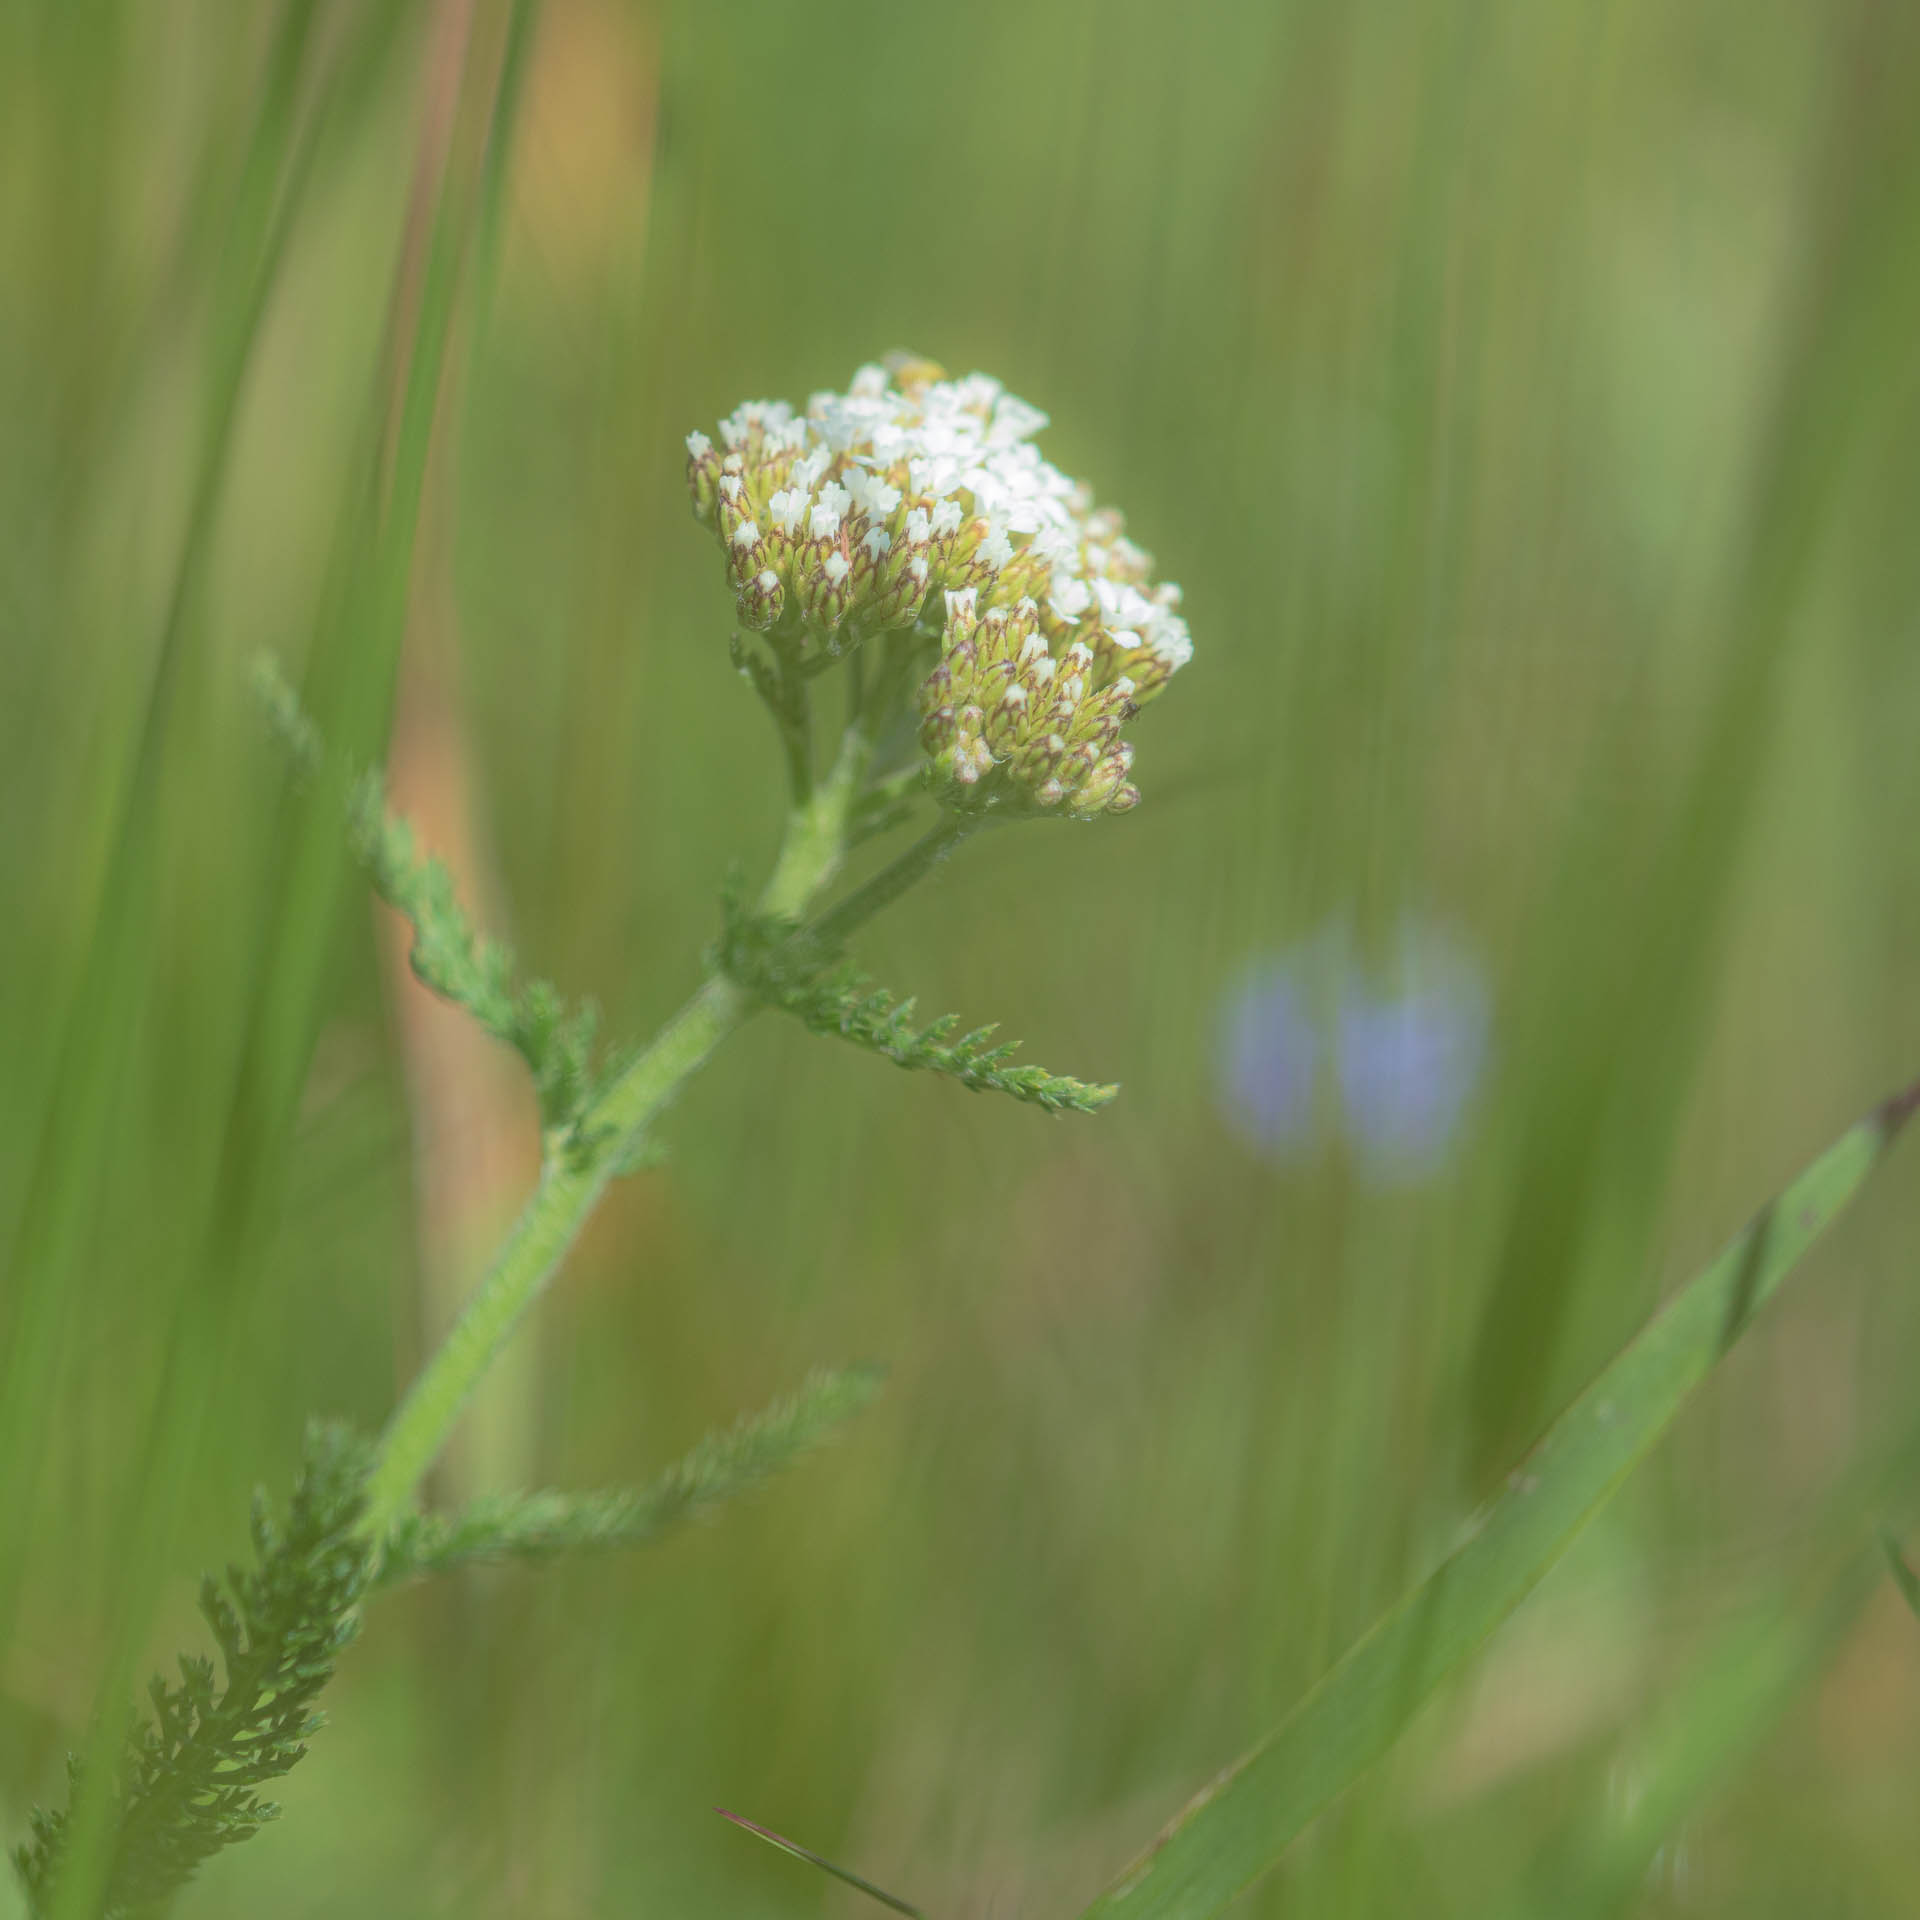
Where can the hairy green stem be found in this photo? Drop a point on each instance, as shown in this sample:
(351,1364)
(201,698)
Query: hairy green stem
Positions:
(886,886)
(574,1177)
(792,709)
(887,803)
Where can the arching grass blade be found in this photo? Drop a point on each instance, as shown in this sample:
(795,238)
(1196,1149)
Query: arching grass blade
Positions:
(1237,1828)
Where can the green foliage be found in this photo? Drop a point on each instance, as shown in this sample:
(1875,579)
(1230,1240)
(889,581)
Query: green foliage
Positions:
(890,803)
(289,721)
(189,1778)
(1407,336)
(448,955)
(1904,1576)
(555,1040)
(829,996)
(539,1526)
(1239,1826)
(843,1874)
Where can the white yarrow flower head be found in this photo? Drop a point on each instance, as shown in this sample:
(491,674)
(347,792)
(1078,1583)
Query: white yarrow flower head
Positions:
(918,507)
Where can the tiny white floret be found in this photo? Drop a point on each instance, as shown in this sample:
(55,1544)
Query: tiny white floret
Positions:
(1070,598)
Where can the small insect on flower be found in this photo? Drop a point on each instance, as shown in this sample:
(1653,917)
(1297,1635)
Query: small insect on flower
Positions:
(919,505)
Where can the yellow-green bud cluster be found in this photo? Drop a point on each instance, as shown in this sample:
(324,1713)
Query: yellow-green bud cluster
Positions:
(912,498)
(828,542)
(1002,717)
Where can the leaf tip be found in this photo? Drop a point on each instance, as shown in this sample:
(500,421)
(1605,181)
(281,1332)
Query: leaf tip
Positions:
(1897,1111)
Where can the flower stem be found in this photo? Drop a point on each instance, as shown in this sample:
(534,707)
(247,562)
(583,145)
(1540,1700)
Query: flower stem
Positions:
(574,1177)
(886,886)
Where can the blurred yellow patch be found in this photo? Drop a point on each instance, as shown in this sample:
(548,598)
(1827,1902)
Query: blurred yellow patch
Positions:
(584,170)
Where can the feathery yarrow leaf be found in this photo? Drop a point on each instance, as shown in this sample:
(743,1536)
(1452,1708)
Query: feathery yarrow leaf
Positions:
(847,1005)
(540,1526)
(450,957)
(831,997)
(187,1780)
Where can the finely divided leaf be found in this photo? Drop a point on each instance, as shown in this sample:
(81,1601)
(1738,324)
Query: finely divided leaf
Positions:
(539,1526)
(846,1005)
(1238,1827)
(555,1040)
(188,1779)
(831,998)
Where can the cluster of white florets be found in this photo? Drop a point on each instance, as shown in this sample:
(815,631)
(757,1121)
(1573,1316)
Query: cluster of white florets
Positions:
(912,499)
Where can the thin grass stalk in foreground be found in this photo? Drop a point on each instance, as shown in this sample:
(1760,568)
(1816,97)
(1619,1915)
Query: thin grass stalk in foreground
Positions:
(104,1013)
(1904,1577)
(358,644)
(1237,1829)
(826,1866)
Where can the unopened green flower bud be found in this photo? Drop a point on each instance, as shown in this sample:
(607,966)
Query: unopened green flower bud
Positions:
(1035,760)
(1104,783)
(747,550)
(900,587)
(962,662)
(1025,576)
(761,600)
(972,759)
(703,474)
(962,618)
(732,504)
(976,554)
(1103,714)
(1006,629)
(935,691)
(822,583)
(1146,671)
(939,730)
(991,678)
(1006,718)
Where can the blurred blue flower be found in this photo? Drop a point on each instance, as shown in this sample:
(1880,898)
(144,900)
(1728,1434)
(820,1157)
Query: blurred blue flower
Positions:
(1406,1038)
(1269,1060)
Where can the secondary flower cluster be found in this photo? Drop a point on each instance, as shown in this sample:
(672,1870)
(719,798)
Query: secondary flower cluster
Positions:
(914,500)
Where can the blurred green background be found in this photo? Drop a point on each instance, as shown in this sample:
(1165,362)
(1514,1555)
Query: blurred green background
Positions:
(1526,393)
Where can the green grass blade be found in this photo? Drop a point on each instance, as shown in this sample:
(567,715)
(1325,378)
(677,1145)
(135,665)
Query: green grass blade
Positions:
(1237,1828)
(105,1012)
(1904,1576)
(826,1866)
